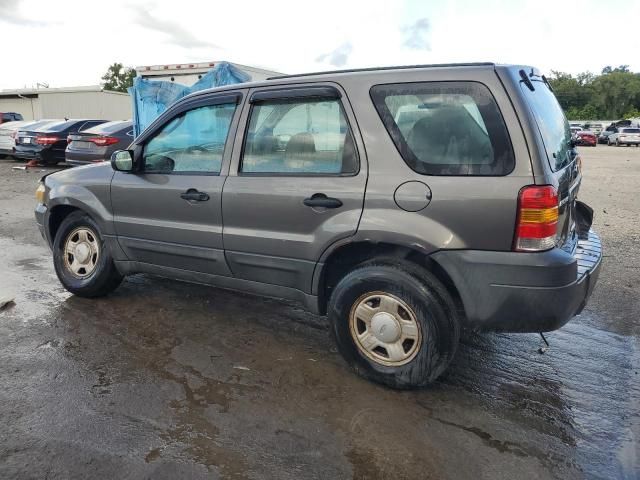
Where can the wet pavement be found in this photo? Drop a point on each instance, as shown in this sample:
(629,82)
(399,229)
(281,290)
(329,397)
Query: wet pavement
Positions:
(164,379)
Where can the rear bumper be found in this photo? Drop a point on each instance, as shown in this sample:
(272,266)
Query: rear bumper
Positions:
(83,159)
(523,292)
(25,154)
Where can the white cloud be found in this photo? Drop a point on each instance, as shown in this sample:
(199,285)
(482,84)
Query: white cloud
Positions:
(72,42)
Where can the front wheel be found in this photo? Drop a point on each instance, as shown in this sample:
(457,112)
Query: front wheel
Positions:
(81,259)
(394,323)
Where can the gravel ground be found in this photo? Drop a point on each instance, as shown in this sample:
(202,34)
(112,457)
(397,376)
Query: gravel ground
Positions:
(165,379)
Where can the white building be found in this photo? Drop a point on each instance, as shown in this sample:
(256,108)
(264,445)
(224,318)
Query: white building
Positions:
(189,73)
(72,102)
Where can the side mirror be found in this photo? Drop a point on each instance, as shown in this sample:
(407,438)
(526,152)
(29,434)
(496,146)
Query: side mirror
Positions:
(122,161)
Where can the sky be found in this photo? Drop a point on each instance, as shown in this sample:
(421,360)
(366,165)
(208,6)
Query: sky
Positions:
(72,42)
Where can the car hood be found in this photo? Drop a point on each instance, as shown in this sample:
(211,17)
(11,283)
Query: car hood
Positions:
(94,175)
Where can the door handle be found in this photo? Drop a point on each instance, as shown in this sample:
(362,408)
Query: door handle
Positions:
(194,195)
(321,200)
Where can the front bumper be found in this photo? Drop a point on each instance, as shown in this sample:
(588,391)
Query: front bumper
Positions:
(41,218)
(523,292)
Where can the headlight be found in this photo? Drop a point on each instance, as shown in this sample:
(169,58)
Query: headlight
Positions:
(40,191)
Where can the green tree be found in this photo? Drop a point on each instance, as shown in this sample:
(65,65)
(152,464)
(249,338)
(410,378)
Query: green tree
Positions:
(118,78)
(616,93)
(612,95)
(621,68)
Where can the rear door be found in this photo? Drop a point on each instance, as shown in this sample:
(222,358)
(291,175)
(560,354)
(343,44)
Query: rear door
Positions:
(296,183)
(169,214)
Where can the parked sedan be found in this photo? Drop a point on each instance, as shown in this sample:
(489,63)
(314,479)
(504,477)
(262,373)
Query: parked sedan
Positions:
(586,138)
(604,136)
(98,143)
(6,117)
(625,136)
(48,144)
(9,130)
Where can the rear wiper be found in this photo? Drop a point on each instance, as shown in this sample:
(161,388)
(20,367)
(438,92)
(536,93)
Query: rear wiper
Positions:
(525,79)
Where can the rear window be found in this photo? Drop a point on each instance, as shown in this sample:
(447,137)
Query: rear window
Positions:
(446,128)
(109,128)
(35,125)
(69,124)
(631,130)
(59,126)
(552,124)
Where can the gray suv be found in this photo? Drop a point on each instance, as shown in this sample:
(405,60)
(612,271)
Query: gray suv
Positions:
(403,203)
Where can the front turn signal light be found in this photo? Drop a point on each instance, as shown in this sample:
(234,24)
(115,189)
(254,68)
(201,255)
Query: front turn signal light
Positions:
(40,191)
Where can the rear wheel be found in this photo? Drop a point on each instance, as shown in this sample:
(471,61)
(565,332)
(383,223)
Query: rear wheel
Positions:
(394,324)
(81,259)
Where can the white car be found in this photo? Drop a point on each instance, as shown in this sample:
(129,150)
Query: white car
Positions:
(8,132)
(625,136)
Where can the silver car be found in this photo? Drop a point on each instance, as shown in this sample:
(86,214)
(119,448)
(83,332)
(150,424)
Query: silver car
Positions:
(625,136)
(402,203)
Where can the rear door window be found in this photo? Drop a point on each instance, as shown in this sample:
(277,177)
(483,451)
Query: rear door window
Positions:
(446,128)
(299,137)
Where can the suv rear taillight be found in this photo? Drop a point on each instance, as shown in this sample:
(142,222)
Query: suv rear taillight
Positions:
(537,219)
(103,141)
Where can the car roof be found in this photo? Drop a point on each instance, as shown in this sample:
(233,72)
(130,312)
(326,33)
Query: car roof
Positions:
(64,124)
(333,75)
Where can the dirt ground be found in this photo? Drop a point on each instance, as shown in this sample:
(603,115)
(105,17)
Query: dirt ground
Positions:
(168,380)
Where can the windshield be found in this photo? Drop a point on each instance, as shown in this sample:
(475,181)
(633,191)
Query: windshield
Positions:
(552,124)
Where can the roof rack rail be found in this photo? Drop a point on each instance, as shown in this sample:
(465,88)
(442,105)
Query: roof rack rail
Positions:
(401,67)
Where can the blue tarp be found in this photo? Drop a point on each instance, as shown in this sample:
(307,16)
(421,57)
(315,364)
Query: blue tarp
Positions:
(151,97)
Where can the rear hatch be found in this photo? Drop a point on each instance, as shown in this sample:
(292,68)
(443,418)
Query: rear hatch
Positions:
(27,137)
(561,156)
(629,135)
(81,142)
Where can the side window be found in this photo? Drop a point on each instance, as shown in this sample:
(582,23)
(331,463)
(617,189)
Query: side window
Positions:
(193,142)
(305,136)
(446,128)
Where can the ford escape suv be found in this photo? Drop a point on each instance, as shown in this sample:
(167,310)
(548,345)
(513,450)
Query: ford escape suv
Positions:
(403,203)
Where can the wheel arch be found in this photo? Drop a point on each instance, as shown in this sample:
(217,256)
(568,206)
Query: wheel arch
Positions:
(57,214)
(346,257)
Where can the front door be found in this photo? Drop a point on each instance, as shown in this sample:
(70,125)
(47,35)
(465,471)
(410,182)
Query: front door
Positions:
(169,213)
(296,185)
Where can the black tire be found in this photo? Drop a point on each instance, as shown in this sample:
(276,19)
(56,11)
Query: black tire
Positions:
(105,277)
(434,309)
